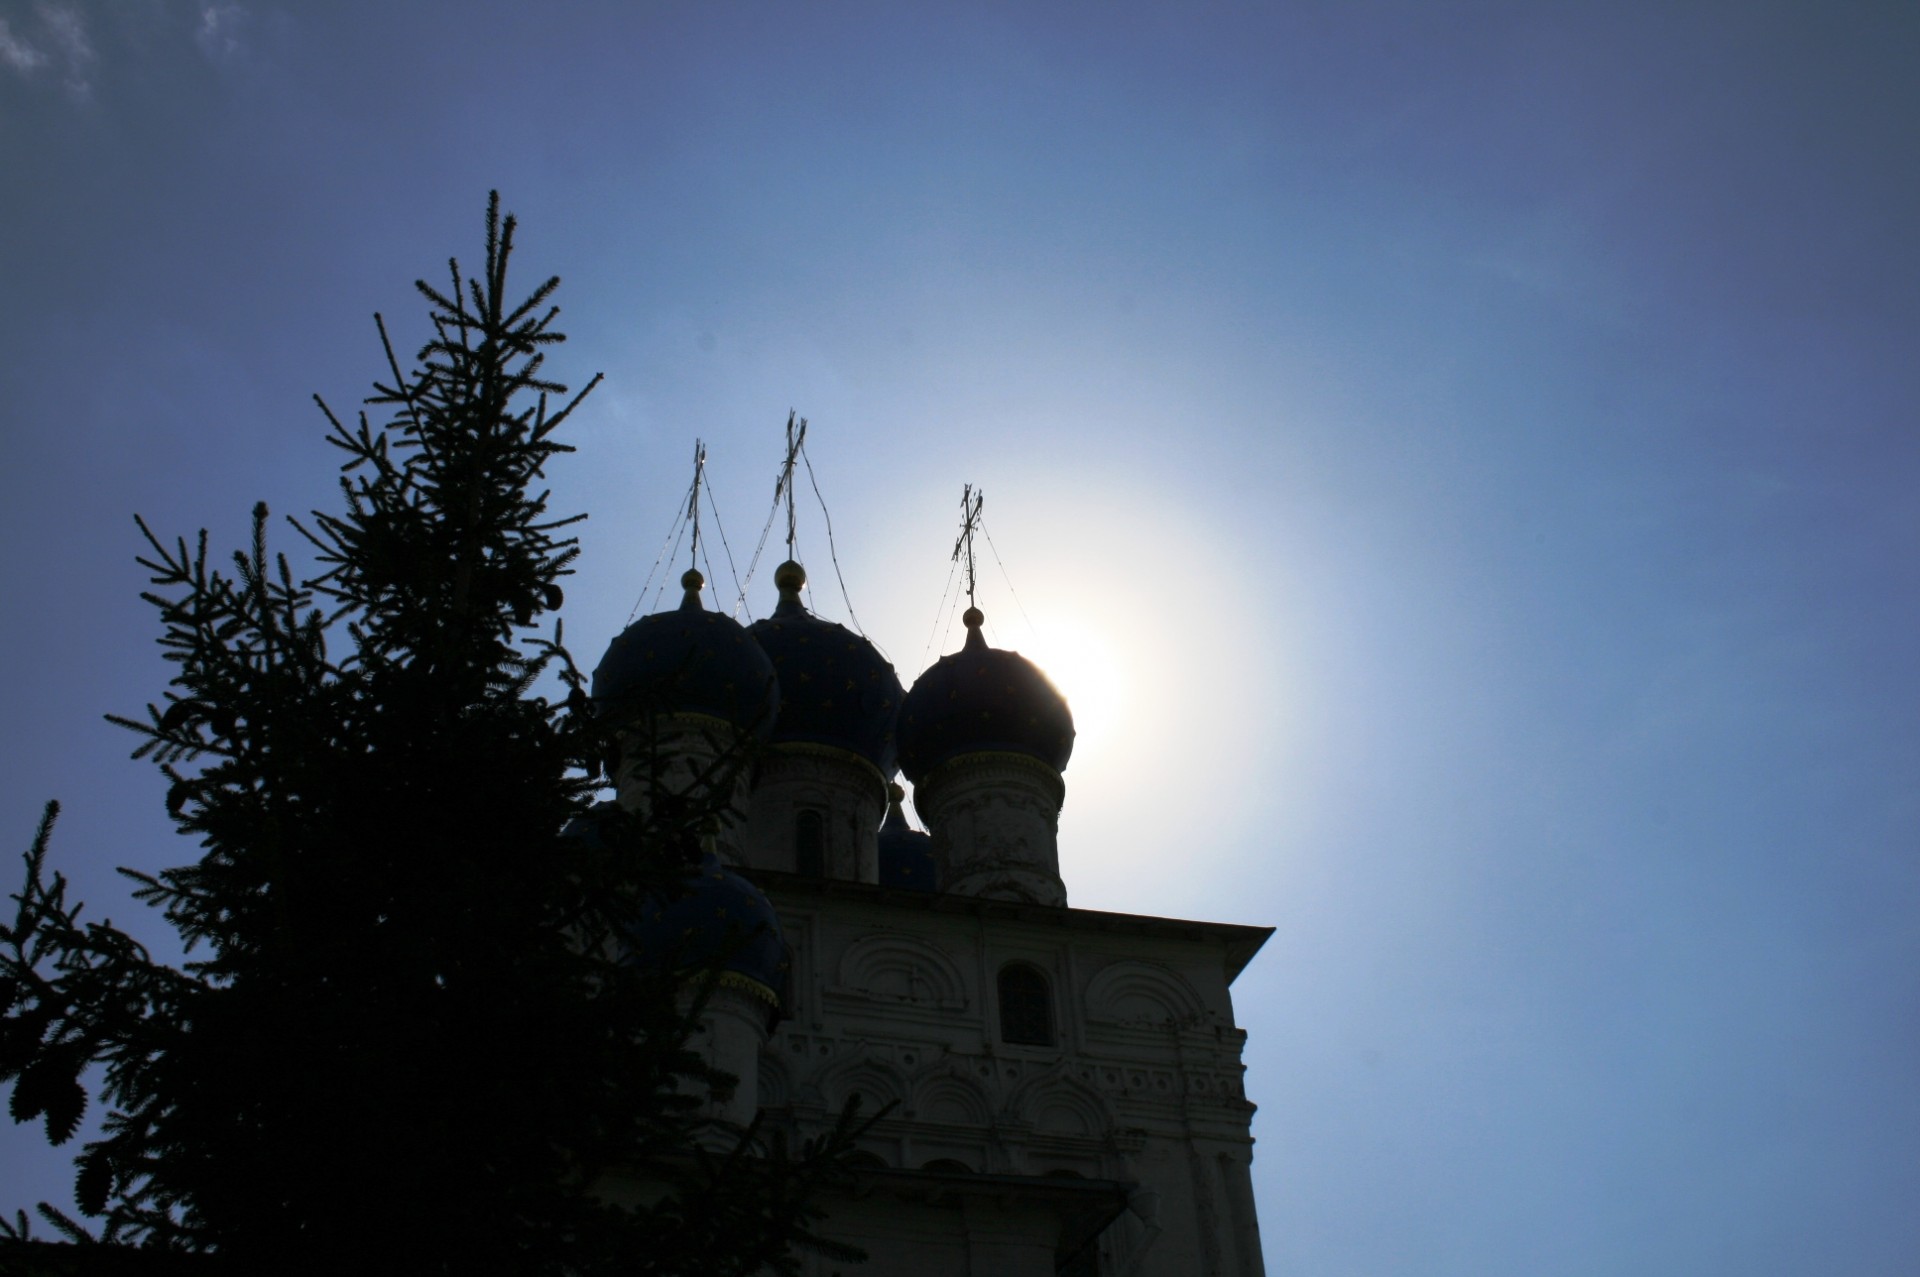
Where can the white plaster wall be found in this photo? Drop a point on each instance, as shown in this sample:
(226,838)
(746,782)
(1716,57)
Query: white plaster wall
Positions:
(846,790)
(1144,1083)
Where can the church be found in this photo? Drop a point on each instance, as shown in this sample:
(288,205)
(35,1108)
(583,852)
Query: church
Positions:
(1066,1083)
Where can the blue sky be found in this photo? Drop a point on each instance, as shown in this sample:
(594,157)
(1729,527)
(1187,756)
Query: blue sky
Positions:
(1460,458)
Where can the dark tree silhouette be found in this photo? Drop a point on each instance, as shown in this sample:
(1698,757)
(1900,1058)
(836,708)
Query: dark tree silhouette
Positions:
(405,1039)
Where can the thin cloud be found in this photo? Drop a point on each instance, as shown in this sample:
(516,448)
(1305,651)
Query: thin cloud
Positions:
(69,31)
(219,32)
(17,53)
(61,38)
(67,43)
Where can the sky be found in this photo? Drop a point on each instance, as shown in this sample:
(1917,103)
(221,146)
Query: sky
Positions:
(1459,459)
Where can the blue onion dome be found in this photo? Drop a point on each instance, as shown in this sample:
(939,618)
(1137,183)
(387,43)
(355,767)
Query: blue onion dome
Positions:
(723,919)
(983,700)
(688,661)
(906,853)
(720,919)
(835,687)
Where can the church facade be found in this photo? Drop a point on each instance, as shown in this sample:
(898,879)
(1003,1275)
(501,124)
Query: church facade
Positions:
(1065,1084)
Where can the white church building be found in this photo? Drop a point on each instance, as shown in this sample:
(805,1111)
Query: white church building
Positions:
(1067,1083)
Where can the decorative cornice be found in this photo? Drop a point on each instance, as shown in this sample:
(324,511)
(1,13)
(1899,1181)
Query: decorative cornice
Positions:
(683,720)
(830,753)
(986,760)
(1238,941)
(703,722)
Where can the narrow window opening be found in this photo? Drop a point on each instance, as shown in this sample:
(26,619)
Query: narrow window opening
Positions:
(810,844)
(1026,1006)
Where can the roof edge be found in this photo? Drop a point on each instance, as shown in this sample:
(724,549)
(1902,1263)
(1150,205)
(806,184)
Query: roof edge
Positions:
(1240,941)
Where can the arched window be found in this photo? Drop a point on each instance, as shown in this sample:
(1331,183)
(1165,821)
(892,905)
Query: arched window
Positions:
(1026,1006)
(810,843)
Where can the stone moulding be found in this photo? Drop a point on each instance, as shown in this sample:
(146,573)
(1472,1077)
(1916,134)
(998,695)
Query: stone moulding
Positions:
(877,1082)
(1058,1103)
(993,763)
(803,757)
(945,1094)
(897,968)
(1134,993)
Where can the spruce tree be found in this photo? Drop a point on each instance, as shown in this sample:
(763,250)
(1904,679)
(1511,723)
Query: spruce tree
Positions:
(406,1037)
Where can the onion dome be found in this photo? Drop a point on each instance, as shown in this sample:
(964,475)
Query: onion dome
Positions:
(906,853)
(722,919)
(983,700)
(688,661)
(835,687)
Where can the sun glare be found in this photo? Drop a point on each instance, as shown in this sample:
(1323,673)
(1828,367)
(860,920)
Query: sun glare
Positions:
(1087,668)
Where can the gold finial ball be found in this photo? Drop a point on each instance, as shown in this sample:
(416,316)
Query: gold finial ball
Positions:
(789,577)
(895,794)
(692,580)
(973,618)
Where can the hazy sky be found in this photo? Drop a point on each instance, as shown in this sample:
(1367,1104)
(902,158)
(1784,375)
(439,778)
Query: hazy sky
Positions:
(1460,458)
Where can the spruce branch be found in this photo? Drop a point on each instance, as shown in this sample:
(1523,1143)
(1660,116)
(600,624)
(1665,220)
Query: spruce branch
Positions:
(407,1008)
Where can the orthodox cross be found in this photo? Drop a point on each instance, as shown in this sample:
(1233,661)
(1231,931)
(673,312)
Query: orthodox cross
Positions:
(796,436)
(970,503)
(693,498)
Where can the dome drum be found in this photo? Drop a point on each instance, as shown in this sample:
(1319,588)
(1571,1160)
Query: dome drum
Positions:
(815,810)
(691,693)
(724,928)
(984,737)
(687,758)
(995,820)
(820,788)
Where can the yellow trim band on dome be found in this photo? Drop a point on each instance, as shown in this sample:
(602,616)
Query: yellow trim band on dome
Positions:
(748,985)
